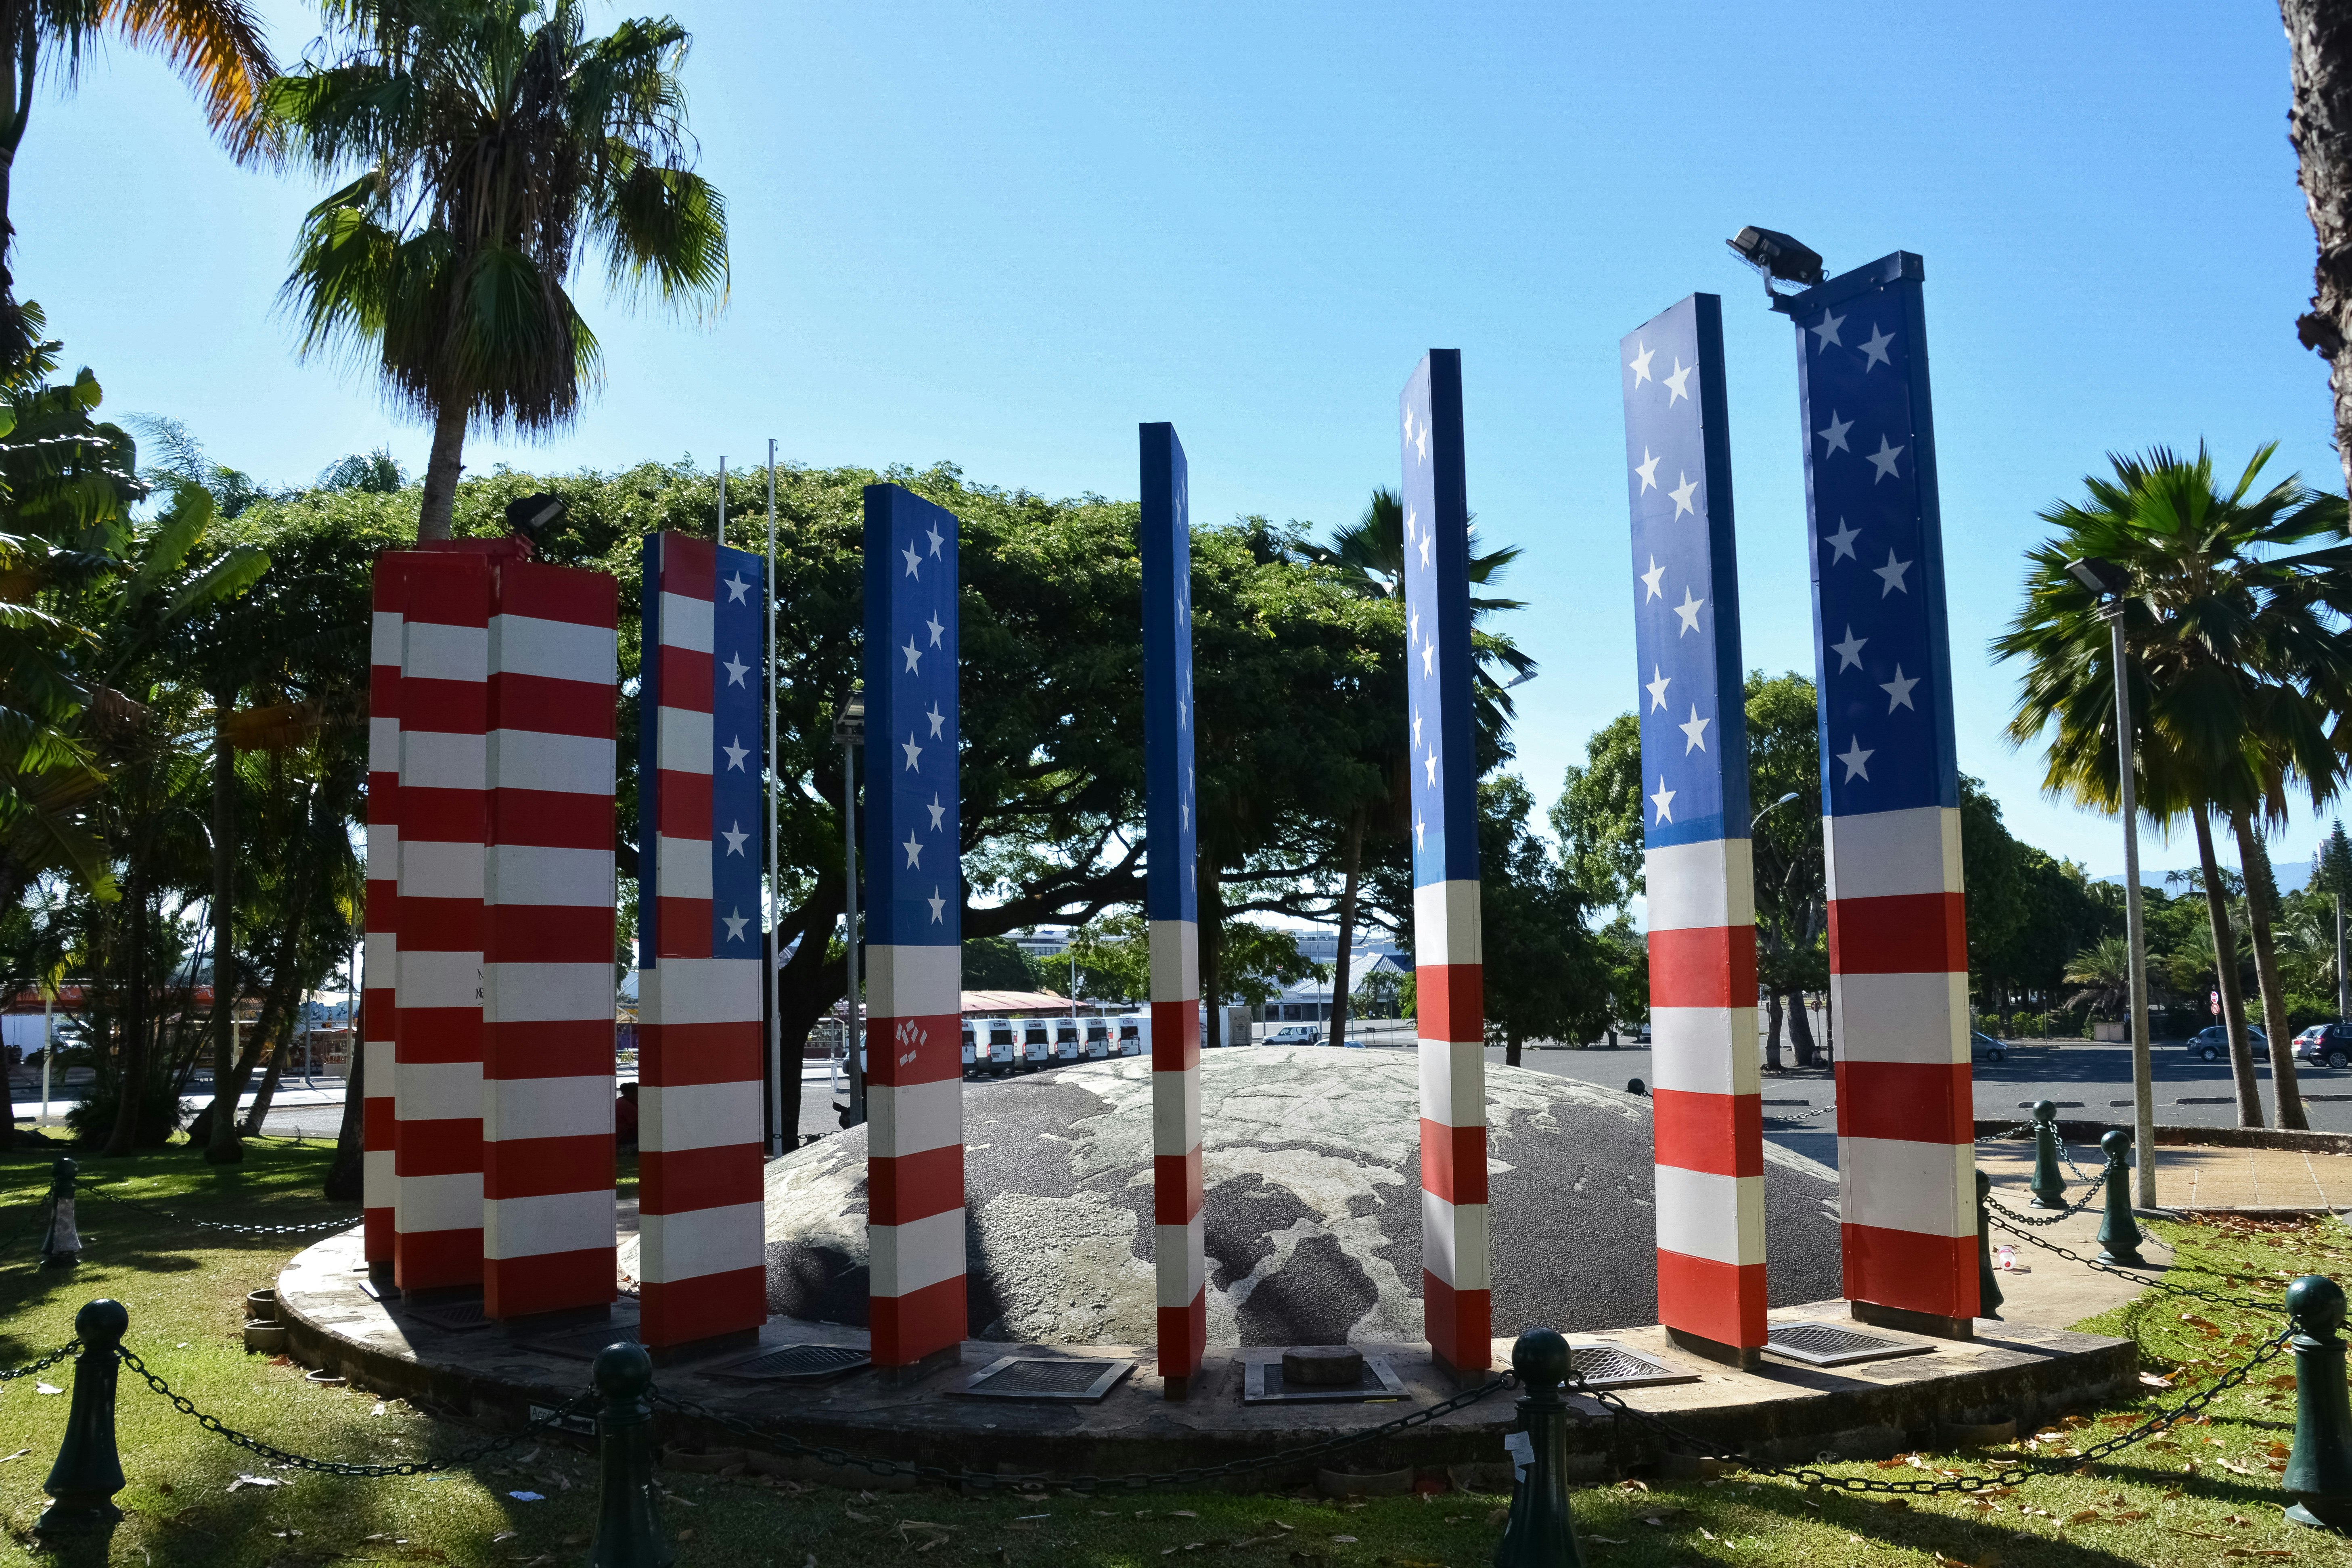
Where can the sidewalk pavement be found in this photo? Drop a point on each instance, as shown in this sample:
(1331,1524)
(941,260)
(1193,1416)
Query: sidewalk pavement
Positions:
(2198,1178)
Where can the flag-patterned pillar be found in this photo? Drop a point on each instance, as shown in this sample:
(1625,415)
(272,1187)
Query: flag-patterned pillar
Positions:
(1707,1087)
(1447,963)
(702,1252)
(548,1229)
(1899,937)
(1172,906)
(381,947)
(444,821)
(914,925)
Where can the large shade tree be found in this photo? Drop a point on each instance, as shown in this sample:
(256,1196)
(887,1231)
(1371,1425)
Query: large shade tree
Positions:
(491,147)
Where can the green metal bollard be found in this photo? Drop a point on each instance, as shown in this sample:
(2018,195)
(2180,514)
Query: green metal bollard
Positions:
(628,1521)
(1540,1534)
(89,1470)
(2049,1187)
(1987,1279)
(61,1243)
(2119,1234)
(2319,1467)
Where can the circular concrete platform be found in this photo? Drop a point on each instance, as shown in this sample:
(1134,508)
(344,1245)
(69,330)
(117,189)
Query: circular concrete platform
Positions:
(1311,1177)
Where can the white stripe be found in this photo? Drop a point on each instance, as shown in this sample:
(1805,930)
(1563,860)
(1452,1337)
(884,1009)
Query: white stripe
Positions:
(697,1117)
(376,1179)
(1178,1264)
(686,623)
(682,868)
(1175,1112)
(699,990)
(433,979)
(1446,928)
(1175,949)
(1453,1082)
(675,1247)
(547,993)
(438,1090)
(382,852)
(1706,1050)
(1454,1242)
(559,650)
(383,745)
(560,764)
(442,759)
(907,1257)
(1694,886)
(383,637)
(1929,1188)
(421,1204)
(909,982)
(913,1118)
(430,869)
(1703,1215)
(1901,1018)
(549,1222)
(381,1069)
(518,1108)
(534,874)
(383,961)
(1879,854)
(684,742)
(437,651)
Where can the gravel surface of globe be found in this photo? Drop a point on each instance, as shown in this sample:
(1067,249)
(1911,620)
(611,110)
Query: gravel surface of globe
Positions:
(1310,1166)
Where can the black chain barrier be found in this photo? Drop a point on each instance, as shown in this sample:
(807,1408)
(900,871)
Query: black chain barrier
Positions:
(2079,1205)
(271,1451)
(1803,1115)
(1132,1480)
(2008,1476)
(2094,1264)
(37,1221)
(46,1362)
(135,1205)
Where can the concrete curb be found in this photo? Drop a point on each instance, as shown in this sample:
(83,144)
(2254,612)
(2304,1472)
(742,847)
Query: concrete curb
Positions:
(2193,1137)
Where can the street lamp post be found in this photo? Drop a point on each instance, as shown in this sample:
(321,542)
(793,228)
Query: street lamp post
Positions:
(2107,580)
(850,730)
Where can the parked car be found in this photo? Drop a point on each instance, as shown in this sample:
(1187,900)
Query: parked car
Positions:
(1036,1045)
(2211,1044)
(1985,1048)
(1069,1044)
(969,1050)
(1296,1034)
(1134,1034)
(1097,1038)
(1003,1048)
(2325,1042)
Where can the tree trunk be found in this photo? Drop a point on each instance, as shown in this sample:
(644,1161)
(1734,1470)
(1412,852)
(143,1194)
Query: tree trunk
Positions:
(16,79)
(223,1148)
(442,468)
(2225,976)
(2319,124)
(2256,862)
(806,987)
(131,1065)
(1340,976)
(1511,1044)
(1772,1031)
(1800,1032)
(269,1090)
(1212,901)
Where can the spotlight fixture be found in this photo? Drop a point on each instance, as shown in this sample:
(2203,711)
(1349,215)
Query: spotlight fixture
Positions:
(2100,575)
(529,516)
(1777,257)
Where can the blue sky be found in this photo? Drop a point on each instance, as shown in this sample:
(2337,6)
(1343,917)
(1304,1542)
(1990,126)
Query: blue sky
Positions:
(1003,234)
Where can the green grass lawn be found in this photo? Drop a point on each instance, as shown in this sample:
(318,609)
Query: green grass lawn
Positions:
(2205,1494)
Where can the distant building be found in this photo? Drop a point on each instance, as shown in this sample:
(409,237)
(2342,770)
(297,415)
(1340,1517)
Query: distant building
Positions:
(1310,1001)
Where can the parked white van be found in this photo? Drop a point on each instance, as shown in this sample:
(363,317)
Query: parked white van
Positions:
(1036,1044)
(1004,1050)
(968,1048)
(1069,1043)
(1097,1038)
(1134,1034)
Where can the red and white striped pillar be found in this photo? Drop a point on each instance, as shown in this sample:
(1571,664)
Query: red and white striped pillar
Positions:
(548,1222)
(378,995)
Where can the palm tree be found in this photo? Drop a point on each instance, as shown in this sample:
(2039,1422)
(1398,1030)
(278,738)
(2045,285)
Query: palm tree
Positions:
(491,146)
(2236,676)
(2103,971)
(215,46)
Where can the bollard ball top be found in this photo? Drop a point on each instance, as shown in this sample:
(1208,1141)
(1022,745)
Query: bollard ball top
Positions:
(2314,1306)
(64,1169)
(623,1371)
(2045,1109)
(1540,1358)
(2115,1143)
(102,1322)
(1984,1187)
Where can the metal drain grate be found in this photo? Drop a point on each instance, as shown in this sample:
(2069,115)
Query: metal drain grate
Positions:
(1261,1384)
(582,1345)
(798,1364)
(1605,1364)
(452,1317)
(1826,1344)
(1040,1377)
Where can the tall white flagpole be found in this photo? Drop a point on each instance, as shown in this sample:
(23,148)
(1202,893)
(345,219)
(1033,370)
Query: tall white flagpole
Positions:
(784,1138)
(722,501)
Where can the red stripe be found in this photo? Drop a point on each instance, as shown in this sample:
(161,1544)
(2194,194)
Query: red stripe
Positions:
(1904,1269)
(682,810)
(437,1259)
(543,704)
(384,691)
(1907,934)
(914,1187)
(440,925)
(1720,1133)
(671,1055)
(1175,1036)
(1453,1161)
(1721,1301)
(376,1243)
(377,1110)
(1185,1337)
(541,1167)
(548,1281)
(1703,967)
(684,928)
(444,707)
(935,1041)
(1452,1002)
(689,566)
(547,934)
(680,1181)
(902,1330)
(450,1147)
(430,1035)
(444,816)
(448,591)
(1457,1324)
(573,594)
(1176,1187)
(548,1048)
(553,819)
(683,1310)
(1919,1102)
(685,676)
